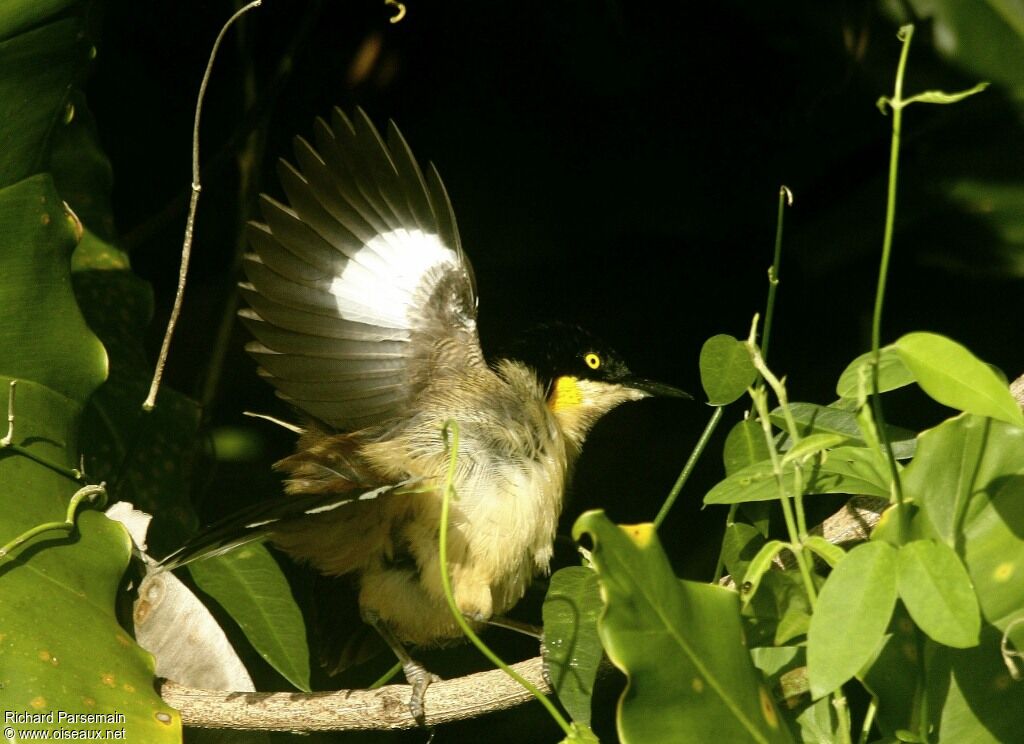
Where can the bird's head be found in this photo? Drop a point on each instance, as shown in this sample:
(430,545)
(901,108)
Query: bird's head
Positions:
(583,378)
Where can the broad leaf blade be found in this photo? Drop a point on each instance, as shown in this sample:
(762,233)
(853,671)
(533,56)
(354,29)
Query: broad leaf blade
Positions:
(680,643)
(852,470)
(851,616)
(58,362)
(994,554)
(956,461)
(726,370)
(43,337)
(953,376)
(572,648)
(249,584)
(37,68)
(937,592)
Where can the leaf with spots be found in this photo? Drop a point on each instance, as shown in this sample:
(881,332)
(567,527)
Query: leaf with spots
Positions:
(62,650)
(680,643)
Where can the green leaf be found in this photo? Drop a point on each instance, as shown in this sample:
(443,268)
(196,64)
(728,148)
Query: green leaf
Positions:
(572,648)
(249,584)
(956,460)
(18,15)
(812,445)
(55,583)
(953,376)
(680,643)
(941,97)
(971,696)
(37,69)
(892,373)
(937,592)
(814,419)
(993,549)
(739,546)
(786,670)
(825,550)
(758,566)
(744,446)
(780,611)
(726,370)
(893,675)
(43,336)
(851,616)
(852,470)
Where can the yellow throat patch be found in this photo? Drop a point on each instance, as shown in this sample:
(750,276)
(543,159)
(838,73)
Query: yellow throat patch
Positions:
(564,394)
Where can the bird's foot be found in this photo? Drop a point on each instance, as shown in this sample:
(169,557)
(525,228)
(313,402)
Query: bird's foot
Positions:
(418,676)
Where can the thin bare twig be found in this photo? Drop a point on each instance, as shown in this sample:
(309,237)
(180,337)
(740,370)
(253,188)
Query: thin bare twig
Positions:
(186,248)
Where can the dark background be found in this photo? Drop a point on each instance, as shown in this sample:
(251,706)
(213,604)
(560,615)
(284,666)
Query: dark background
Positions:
(614,164)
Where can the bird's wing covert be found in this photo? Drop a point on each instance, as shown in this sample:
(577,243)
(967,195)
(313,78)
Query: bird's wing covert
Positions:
(357,285)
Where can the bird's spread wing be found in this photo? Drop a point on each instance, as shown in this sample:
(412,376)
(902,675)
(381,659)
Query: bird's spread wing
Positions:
(356,285)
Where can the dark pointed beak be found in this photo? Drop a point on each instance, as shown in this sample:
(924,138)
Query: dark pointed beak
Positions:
(651,387)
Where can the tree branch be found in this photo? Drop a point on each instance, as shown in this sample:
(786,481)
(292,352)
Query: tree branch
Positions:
(354,710)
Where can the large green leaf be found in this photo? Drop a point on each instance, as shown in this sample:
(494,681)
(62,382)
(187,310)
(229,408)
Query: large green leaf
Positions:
(955,461)
(73,581)
(994,553)
(851,616)
(953,376)
(969,694)
(726,370)
(852,470)
(249,584)
(43,337)
(680,643)
(572,648)
(937,592)
(37,68)
(19,15)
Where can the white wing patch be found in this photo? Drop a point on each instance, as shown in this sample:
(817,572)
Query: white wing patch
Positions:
(378,285)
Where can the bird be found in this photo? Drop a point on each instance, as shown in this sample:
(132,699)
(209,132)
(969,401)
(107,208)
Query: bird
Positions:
(363,306)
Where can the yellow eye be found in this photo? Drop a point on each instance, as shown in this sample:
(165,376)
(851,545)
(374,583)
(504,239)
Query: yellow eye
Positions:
(593,360)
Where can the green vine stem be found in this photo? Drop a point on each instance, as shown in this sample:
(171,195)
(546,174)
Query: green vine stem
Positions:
(691,462)
(785,199)
(93,494)
(906,33)
(451,437)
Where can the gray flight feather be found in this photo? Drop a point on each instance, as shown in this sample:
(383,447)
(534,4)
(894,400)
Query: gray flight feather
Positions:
(357,283)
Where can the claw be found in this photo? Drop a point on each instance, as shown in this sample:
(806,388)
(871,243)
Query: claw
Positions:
(415,673)
(418,676)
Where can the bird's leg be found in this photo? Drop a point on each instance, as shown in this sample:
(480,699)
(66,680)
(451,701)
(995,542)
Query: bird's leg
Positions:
(415,673)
